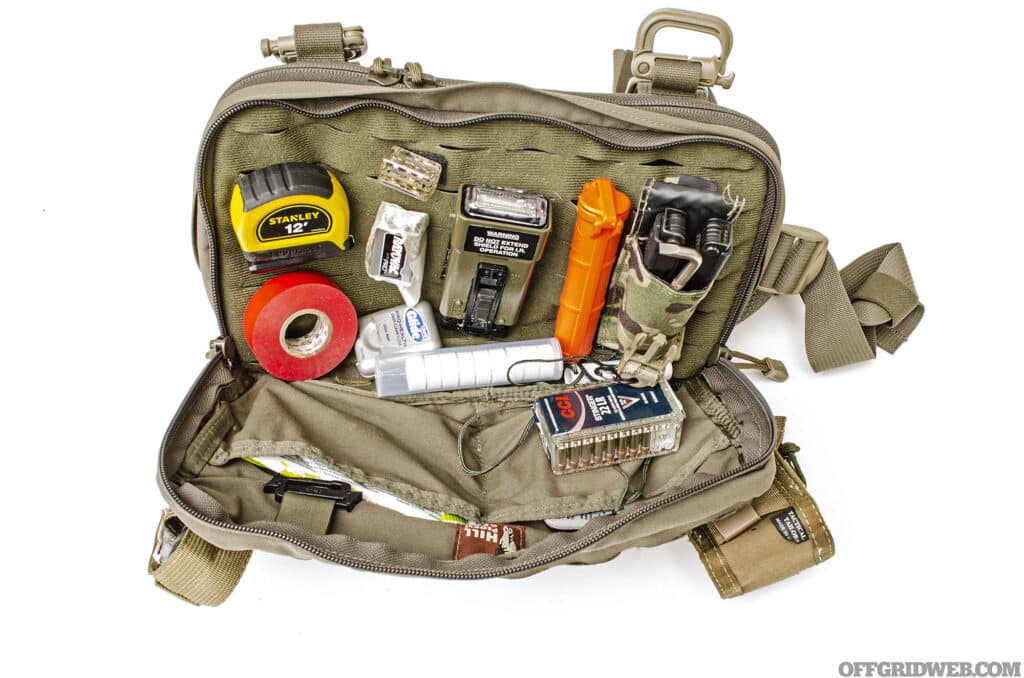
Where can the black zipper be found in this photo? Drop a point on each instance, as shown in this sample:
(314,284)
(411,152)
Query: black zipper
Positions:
(512,569)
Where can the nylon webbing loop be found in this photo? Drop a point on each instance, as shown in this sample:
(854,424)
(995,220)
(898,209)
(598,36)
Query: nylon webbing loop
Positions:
(883,294)
(205,444)
(672,76)
(320,41)
(317,42)
(196,571)
(870,303)
(312,513)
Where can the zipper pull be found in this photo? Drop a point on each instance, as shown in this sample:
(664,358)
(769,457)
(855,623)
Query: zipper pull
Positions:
(771,368)
(414,77)
(383,73)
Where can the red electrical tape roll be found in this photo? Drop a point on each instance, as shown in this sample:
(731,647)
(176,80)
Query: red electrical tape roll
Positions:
(284,299)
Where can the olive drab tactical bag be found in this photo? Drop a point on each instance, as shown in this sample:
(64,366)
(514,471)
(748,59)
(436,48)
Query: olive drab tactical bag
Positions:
(458,484)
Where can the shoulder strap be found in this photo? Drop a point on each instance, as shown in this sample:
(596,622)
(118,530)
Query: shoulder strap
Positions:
(870,303)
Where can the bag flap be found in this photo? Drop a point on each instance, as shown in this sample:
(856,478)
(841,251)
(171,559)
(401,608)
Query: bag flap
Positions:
(510,135)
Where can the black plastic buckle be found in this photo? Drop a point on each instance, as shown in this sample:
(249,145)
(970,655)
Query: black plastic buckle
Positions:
(342,493)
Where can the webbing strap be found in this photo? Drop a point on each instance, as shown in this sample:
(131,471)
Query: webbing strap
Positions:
(312,513)
(319,41)
(870,303)
(205,444)
(672,76)
(621,73)
(197,571)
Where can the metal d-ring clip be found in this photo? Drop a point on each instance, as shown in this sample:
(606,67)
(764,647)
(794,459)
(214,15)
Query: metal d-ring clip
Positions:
(712,69)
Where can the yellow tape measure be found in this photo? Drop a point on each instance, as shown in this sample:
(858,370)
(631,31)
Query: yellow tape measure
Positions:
(289,214)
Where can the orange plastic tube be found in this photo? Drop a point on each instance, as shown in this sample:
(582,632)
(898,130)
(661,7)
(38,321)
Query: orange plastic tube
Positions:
(600,213)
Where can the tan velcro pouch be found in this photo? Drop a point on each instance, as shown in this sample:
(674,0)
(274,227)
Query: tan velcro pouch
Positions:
(777,535)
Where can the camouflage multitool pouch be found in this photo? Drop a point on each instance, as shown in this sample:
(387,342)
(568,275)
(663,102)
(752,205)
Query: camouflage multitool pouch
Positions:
(645,317)
(467,484)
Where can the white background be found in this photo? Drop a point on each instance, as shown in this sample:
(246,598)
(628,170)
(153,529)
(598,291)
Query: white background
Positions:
(896,122)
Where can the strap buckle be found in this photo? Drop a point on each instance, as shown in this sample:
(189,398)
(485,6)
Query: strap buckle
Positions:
(169,533)
(645,64)
(795,258)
